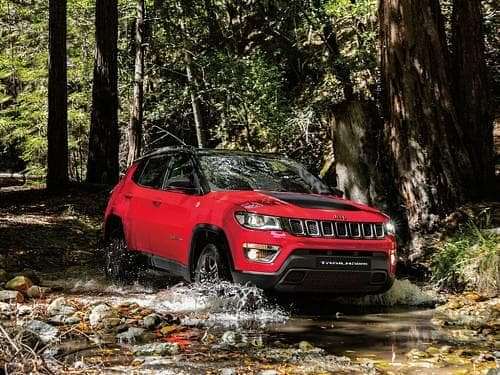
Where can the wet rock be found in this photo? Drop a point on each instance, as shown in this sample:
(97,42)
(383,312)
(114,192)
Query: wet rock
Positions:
(306,346)
(157,348)
(11,296)
(103,316)
(230,338)
(42,331)
(150,321)
(130,336)
(30,274)
(19,283)
(65,319)
(4,276)
(60,306)
(36,291)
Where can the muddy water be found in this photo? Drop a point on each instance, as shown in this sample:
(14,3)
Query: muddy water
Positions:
(378,329)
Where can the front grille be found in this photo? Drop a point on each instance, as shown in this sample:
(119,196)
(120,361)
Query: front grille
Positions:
(338,229)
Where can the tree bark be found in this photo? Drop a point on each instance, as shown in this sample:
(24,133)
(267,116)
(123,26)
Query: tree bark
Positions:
(471,91)
(136,110)
(361,161)
(102,163)
(431,163)
(57,125)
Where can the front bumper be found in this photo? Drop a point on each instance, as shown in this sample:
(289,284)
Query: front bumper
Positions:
(300,274)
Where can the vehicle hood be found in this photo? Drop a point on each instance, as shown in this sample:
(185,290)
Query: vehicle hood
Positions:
(300,205)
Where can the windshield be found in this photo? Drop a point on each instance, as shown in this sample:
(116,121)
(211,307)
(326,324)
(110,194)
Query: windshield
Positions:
(259,172)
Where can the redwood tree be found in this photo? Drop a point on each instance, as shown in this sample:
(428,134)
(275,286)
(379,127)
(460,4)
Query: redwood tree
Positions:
(426,142)
(57,126)
(136,110)
(471,90)
(102,164)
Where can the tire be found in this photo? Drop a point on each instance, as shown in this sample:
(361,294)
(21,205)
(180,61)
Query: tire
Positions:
(120,263)
(212,266)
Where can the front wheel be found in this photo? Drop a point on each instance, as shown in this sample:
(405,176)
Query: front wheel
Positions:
(120,263)
(211,266)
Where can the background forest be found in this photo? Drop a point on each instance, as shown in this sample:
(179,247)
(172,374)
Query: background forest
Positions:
(313,79)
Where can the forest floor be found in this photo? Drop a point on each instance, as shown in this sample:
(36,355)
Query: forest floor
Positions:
(65,317)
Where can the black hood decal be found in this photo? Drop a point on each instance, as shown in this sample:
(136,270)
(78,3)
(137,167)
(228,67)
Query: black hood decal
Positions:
(313,201)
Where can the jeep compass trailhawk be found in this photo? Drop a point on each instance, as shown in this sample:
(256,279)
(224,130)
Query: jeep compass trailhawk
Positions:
(209,215)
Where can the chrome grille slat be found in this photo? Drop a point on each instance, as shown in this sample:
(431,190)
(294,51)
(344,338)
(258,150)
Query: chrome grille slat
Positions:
(336,229)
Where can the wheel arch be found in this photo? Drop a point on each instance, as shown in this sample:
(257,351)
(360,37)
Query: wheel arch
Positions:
(202,235)
(113,222)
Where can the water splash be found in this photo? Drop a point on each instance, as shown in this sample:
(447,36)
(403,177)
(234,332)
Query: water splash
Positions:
(223,304)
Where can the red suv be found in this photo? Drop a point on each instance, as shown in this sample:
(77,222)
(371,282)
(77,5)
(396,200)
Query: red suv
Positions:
(245,217)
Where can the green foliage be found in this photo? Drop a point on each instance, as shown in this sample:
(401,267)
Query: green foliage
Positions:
(470,259)
(267,74)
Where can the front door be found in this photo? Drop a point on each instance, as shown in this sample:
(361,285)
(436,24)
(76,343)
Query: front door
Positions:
(179,203)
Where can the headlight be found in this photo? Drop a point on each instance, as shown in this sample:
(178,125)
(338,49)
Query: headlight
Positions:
(390,228)
(256,221)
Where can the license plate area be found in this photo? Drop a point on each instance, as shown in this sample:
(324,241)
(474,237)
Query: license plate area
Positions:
(344,263)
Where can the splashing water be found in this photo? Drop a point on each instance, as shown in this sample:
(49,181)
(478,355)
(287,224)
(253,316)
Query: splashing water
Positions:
(223,304)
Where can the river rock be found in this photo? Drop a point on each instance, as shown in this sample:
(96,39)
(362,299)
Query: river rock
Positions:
(36,291)
(228,371)
(19,283)
(11,296)
(306,346)
(156,348)
(150,321)
(60,306)
(130,336)
(104,316)
(65,319)
(42,331)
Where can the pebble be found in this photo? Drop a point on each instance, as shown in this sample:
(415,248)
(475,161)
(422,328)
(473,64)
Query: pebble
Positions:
(150,321)
(268,372)
(228,371)
(60,306)
(130,336)
(305,346)
(103,316)
(36,291)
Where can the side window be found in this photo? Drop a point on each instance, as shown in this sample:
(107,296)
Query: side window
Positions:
(181,173)
(154,172)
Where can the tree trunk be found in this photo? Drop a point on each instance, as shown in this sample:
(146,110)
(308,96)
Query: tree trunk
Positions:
(57,126)
(427,145)
(471,91)
(102,163)
(362,165)
(135,126)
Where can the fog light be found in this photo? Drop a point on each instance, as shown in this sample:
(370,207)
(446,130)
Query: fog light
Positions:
(260,252)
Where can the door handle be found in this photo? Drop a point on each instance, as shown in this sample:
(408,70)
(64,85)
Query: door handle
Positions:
(128,196)
(157,203)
